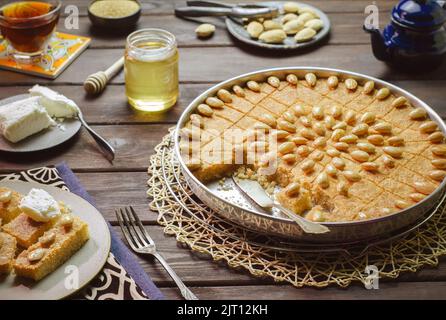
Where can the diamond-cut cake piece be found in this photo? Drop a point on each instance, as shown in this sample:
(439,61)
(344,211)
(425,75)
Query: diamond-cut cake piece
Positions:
(55,247)
(8,246)
(21,119)
(9,205)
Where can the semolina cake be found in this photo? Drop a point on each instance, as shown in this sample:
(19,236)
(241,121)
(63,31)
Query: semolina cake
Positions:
(8,246)
(9,205)
(53,248)
(339,148)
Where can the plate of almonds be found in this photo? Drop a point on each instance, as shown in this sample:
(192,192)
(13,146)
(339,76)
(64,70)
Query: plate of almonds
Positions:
(298,25)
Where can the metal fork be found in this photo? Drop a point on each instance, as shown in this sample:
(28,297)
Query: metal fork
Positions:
(140,241)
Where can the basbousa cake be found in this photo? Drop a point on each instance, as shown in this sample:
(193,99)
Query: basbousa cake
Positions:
(339,149)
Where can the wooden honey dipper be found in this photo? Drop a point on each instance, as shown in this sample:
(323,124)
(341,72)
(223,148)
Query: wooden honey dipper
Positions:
(97,82)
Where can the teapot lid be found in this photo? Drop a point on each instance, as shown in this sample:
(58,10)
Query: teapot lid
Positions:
(419,14)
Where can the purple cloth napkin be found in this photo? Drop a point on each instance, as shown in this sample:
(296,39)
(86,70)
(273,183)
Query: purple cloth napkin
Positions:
(125,257)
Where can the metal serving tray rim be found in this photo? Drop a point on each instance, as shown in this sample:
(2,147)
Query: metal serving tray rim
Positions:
(412,98)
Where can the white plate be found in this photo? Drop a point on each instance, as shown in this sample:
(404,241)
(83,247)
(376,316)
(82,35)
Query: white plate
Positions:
(89,260)
(43,140)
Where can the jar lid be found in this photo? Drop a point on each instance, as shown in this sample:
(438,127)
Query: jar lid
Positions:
(422,14)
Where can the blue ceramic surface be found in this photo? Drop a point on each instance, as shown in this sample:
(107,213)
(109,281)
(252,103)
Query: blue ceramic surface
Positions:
(415,38)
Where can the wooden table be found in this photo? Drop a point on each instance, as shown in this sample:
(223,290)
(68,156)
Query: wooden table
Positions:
(203,63)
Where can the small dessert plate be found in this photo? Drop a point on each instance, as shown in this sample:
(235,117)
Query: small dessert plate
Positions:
(239,32)
(79,270)
(46,139)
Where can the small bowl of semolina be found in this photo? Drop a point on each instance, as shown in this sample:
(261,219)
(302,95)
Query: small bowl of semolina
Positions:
(114,14)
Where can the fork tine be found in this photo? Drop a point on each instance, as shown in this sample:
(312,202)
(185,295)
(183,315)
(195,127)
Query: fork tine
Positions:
(128,237)
(141,226)
(135,227)
(131,229)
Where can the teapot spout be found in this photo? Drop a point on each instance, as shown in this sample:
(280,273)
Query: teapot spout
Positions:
(380,50)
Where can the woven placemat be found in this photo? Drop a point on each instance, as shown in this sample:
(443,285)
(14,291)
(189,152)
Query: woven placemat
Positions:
(202,230)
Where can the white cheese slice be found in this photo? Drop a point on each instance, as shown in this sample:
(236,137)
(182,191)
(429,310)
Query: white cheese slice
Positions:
(21,119)
(56,104)
(39,205)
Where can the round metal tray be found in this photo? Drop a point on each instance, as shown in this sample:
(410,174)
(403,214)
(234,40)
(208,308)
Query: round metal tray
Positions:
(282,226)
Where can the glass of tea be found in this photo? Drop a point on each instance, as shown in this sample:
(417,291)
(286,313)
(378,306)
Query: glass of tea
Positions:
(151,70)
(28,26)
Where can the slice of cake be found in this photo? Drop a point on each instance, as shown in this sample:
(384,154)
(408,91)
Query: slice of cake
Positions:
(21,119)
(8,246)
(9,205)
(54,248)
(40,212)
(56,104)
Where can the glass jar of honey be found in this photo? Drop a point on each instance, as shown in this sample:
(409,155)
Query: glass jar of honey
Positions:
(151,70)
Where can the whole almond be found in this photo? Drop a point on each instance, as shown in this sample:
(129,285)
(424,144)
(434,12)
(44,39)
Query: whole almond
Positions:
(341,146)
(367,147)
(301,110)
(399,102)
(351,84)
(320,142)
(214,102)
(224,95)
(315,24)
(262,126)
(288,17)
(305,121)
(418,114)
(205,110)
(196,120)
(289,116)
(271,25)
(307,165)
(291,7)
(417,197)
(349,138)
(289,158)
(439,163)
(401,204)
(292,78)
(339,163)
(376,139)
(285,125)
(428,127)
(205,30)
(336,111)
(253,85)
(394,152)
(305,16)
(303,151)
(319,128)
(337,134)
(273,81)
(293,26)
(382,128)
(360,156)
(298,140)
(239,92)
(350,117)
(286,147)
(369,86)
(311,79)
(322,180)
(332,82)
(331,170)
(351,176)
(388,161)
(439,150)
(382,93)
(436,137)
(329,122)
(292,190)
(333,152)
(254,29)
(307,133)
(340,125)
(317,155)
(342,188)
(395,141)
(37,254)
(360,129)
(268,119)
(370,166)
(280,134)
(273,36)
(437,175)
(424,187)
(368,118)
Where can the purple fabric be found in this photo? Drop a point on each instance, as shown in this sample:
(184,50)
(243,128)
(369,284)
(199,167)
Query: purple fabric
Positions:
(125,257)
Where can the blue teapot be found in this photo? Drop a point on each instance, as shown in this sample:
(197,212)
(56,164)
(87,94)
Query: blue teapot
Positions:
(416,38)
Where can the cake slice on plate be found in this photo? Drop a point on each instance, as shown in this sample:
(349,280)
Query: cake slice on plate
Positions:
(8,246)
(21,119)
(9,205)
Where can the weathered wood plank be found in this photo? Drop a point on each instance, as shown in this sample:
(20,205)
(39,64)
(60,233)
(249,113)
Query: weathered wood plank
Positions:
(165,7)
(133,144)
(346,29)
(221,63)
(387,291)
